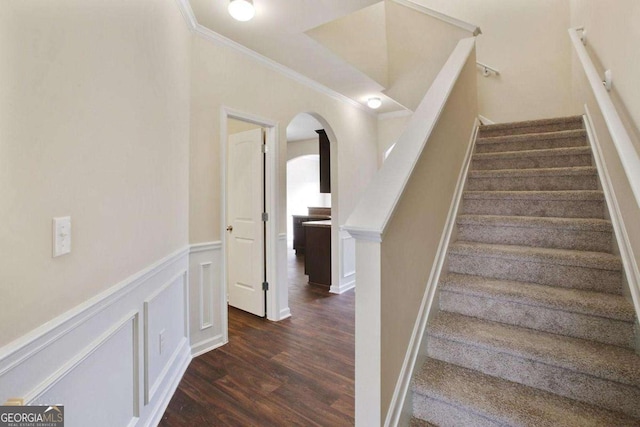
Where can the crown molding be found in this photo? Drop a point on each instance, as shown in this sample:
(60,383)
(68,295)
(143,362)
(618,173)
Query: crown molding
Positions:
(212,36)
(472,28)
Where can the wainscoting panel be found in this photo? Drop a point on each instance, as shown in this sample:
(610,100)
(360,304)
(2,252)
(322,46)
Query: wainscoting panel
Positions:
(347,264)
(82,391)
(207,298)
(164,332)
(90,359)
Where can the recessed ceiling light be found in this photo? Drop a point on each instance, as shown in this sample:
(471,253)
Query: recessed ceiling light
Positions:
(242,10)
(374,103)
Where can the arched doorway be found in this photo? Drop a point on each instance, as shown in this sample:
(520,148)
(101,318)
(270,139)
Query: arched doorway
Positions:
(302,189)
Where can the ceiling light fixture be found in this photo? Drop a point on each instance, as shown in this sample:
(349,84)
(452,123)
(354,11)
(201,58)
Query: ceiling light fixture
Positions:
(242,10)
(374,103)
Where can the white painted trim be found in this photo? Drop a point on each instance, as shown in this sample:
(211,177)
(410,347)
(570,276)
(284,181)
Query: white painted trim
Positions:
(272,132)
(629,157)
(485,121)
(187,14)
(473,29)
(343,287)
(206,319)
(173,381)
(205,247)
(285,313)
(61,373)
(394,114)
(629,260)
(398,400)
(219,39)
(33,342)
(207,345)
(371,216)
(151,389)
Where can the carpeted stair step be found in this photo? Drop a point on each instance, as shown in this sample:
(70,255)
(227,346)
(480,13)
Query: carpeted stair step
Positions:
(541,179)
(560,204)
(597,316)
(535,141)
(531,159)
(451,396)
(603,375)
(583,234)
(531,126)
(595,271)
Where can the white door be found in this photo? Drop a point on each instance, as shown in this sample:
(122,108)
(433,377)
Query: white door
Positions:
(245,230)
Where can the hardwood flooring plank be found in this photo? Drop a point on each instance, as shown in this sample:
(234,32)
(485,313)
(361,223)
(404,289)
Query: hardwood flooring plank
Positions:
(297,372)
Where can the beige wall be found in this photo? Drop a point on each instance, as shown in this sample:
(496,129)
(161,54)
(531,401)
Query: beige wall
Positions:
(222,77)
(411,240)
(613,37)
(94,123)
(360,39)
(418,46)
(527,41)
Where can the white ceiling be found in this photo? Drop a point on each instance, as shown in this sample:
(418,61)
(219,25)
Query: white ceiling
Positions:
(278,32)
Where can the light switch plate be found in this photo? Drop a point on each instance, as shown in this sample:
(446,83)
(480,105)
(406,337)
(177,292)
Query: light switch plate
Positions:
(61,236)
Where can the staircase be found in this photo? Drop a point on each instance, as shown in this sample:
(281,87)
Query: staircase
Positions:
(533,328)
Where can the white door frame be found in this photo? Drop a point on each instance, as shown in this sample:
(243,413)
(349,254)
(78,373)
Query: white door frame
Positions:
(270,184)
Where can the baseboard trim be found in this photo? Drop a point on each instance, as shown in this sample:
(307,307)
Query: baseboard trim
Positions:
(285,313)
(344,287)
(174,381)
(400,405)
(485,121)
(205,346)
(626,251)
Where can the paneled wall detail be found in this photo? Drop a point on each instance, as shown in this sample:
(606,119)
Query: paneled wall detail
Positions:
(113,361)
(207,298)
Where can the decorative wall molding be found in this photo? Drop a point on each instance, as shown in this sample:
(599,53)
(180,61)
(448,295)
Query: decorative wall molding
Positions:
(179,281)
(205,280)
(207,297)
(629,260)
(347,264)
(65,360)
(207,34)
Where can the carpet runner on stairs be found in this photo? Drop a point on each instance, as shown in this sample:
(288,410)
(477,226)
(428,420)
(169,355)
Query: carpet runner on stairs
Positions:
(533,327)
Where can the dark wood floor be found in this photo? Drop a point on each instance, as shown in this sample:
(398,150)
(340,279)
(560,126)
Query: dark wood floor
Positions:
(296,372)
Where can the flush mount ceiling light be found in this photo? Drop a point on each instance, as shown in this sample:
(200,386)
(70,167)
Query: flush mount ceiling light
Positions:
(374,103)
(242,10)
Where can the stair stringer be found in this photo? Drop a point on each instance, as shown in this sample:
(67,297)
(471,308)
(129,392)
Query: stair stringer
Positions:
(400,408)
(629,259)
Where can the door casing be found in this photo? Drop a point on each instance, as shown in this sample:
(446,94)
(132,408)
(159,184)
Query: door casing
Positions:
(270,184)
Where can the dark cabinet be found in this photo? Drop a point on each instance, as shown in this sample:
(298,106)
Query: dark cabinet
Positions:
(325,162)
(299,241)
(317,259)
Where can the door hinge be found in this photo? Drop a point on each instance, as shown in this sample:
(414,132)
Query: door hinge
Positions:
(265,286)
(265,216)
(265,149)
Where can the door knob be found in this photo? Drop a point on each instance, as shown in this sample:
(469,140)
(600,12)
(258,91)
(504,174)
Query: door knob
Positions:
(229,228)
